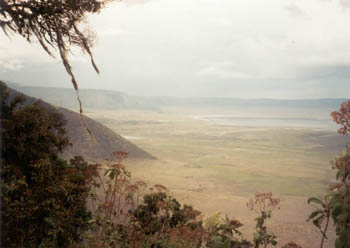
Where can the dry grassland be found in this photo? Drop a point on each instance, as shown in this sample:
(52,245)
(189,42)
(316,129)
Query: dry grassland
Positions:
(218,167)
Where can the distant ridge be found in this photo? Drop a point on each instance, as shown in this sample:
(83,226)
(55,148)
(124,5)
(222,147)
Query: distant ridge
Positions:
(106,141)
(114,100)
(91,98)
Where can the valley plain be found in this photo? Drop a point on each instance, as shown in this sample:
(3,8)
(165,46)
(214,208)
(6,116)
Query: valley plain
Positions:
(218,166)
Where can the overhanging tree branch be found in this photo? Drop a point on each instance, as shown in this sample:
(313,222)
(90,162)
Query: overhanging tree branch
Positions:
(56,24)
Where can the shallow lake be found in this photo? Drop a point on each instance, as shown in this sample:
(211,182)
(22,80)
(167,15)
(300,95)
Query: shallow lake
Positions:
(288,122)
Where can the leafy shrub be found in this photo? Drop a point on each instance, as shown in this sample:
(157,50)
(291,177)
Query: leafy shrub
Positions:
(342,117)
(43,197)
(336,202)
(263,204)
(223,233)
(125,216)
(340,202)
(321,214)
(128,214)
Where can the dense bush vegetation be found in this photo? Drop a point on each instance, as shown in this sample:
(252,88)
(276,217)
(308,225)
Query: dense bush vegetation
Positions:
(335,203)
(122,219)
(43,197)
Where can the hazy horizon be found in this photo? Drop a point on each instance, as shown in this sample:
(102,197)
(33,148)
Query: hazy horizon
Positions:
(19,85)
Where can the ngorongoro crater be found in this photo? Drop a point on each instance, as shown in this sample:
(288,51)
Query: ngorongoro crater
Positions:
(175,124)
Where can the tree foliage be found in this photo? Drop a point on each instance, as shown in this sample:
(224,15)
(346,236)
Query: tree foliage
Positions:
(56,24)
(342,117)
(340,203)
(43,197)
(157,220)
(336,202)
(263,204)
(321,214)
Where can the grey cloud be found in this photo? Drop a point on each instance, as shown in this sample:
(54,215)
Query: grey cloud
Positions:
(331,73)
(223,70)
(240,48)
(295,12)
(11,64)
(345,3)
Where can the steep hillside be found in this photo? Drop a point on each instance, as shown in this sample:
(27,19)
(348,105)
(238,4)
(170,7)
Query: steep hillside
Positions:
(106,141)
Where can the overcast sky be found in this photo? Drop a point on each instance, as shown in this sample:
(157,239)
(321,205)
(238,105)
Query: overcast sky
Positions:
(229,48)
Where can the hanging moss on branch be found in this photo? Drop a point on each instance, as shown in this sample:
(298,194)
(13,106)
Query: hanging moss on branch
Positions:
(56,24)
